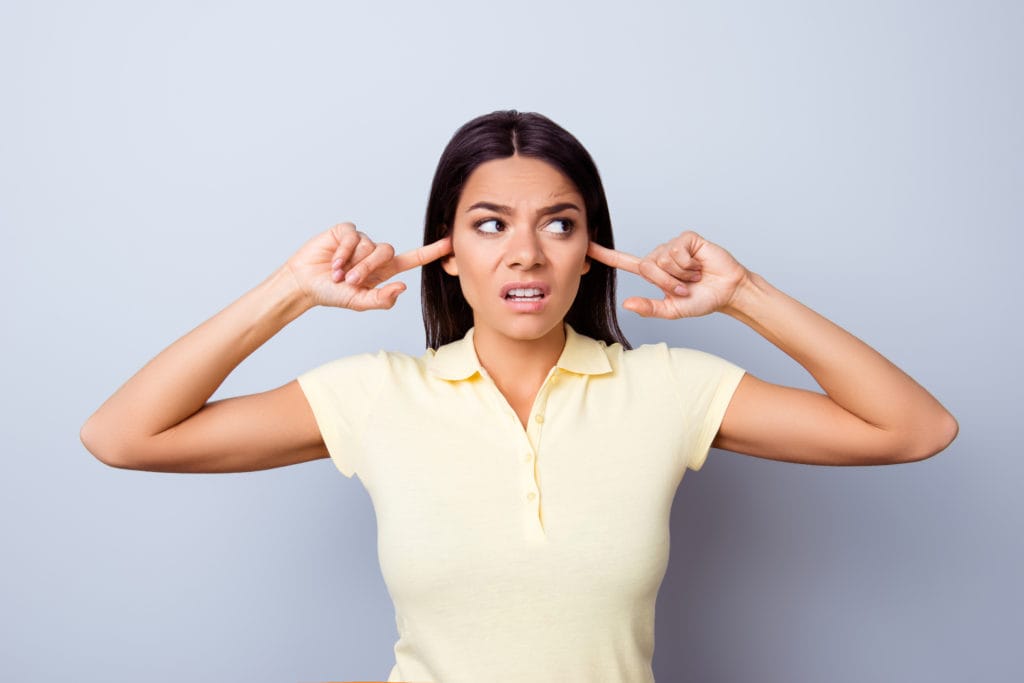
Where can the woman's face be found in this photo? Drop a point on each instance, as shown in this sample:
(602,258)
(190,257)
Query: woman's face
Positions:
(519,245)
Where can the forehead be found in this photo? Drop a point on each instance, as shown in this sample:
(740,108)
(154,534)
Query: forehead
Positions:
(517,179)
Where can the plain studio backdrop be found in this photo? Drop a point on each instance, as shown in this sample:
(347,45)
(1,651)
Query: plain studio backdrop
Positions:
(157,160)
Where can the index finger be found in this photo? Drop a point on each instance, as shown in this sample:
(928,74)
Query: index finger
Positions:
(613,258)
(421,256)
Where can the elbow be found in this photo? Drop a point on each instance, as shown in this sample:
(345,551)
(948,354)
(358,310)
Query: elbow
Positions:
(103,448)
(951,429)
(932,440)
(126,451)
(90,437)
(87,435)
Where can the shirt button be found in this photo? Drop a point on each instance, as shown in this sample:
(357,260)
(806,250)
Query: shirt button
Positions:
(531,495)
(539,418)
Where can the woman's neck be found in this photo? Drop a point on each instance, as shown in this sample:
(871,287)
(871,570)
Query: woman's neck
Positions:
(515,362)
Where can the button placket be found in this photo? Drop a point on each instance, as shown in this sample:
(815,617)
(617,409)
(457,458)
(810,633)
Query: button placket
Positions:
(529,453)
(527,439)
(533,498)
(524,437)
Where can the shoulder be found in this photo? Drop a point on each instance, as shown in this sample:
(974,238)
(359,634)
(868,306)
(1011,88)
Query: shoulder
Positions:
(661,354)
(649,362)
(682,366)
(366,367)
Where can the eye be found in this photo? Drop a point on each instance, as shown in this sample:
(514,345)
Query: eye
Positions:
(485,226)
(563,226)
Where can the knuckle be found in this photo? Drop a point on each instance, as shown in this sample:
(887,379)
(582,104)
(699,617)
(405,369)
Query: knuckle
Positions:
(664,261)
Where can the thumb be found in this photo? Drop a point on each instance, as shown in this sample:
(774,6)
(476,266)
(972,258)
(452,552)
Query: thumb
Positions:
(639,305)
(390,293)
(377,298)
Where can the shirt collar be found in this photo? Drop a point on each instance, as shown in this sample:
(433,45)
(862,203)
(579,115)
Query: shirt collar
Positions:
(581,355)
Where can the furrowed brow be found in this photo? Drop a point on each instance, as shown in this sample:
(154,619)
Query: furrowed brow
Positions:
(490,207)
(555,208)
(506,210)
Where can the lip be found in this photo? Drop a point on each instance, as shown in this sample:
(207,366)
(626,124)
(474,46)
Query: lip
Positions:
(544,288)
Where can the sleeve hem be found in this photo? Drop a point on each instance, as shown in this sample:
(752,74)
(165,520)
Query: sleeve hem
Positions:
(319,402)
(715,414)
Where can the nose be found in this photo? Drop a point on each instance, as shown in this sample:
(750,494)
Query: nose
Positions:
(523,249)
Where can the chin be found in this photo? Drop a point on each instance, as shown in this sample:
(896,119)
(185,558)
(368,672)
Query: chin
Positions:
(529,329)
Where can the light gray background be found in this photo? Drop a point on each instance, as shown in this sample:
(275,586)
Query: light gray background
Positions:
(159,159)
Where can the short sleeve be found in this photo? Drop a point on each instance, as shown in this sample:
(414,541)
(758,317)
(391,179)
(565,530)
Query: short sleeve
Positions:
(705,384)
(341,394)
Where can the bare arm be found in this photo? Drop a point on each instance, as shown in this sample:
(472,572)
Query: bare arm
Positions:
(161,420)
(871,413)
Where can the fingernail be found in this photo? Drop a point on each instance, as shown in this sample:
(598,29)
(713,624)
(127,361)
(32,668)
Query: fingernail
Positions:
(352,277)
(337,274)
(680,290)
(337,263)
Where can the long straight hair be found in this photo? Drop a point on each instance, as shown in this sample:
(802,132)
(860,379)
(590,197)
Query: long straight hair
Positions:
(447,315)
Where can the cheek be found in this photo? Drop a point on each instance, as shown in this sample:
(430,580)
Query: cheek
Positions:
(473,259)
(575,263)
(470,280)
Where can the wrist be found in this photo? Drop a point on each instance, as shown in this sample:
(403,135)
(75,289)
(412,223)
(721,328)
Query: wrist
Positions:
(748,294)
(288,297)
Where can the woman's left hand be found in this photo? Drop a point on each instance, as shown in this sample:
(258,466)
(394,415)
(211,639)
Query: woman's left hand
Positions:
(697,276)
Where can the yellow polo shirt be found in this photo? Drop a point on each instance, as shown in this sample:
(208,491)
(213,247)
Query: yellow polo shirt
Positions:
(517,554)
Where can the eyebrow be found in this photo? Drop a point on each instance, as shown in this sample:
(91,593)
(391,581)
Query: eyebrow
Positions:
(554,208)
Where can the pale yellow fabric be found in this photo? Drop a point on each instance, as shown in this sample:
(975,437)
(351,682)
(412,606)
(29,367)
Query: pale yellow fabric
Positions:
(523,555)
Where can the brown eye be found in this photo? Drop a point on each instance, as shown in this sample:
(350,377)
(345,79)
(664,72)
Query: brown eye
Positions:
(486,227)
(564,226)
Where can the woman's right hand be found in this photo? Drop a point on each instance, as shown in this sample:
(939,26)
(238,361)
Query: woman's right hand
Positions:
(342,267)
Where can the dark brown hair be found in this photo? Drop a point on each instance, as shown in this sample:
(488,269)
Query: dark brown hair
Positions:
(447,315)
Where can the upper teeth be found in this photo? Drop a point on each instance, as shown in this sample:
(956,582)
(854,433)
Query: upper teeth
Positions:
(525,292)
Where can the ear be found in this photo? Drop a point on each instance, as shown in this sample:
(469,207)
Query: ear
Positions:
(448,262)
(586,265)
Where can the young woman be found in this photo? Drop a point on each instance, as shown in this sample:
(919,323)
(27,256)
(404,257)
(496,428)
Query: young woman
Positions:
(523,468)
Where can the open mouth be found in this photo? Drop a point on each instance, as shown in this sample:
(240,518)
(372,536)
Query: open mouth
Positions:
(526,297)
(525,294)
